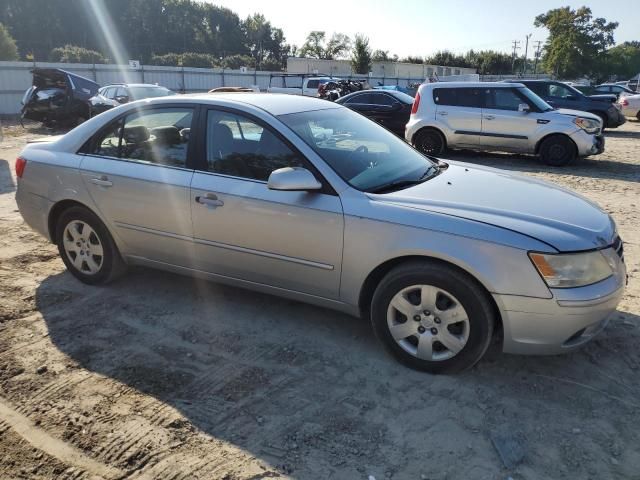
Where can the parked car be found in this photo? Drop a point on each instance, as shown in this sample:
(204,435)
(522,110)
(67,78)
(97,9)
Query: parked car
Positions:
(411,89)
(297,83)
(630,106)
(617,90)
(500,116)
(560,95)
(58,97)
(306,199)
(116,94)
(389,108)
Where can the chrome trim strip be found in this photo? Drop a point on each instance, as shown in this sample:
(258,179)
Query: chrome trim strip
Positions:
(235,248)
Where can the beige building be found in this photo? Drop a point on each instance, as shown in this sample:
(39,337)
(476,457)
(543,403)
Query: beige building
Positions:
(378,69)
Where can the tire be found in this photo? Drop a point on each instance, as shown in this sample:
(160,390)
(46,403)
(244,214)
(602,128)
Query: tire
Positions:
(430,142)
(557,151)
(446,332)
(87,248)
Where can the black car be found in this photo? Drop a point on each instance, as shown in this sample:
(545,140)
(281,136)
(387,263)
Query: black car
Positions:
(561,95)
(389,108)
(58,97)
(116,94)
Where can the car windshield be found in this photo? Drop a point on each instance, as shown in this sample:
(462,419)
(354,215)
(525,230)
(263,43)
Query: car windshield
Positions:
(536,100)
(364,154)
(149,92)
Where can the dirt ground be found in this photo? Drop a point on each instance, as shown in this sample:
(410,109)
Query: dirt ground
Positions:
(159,376)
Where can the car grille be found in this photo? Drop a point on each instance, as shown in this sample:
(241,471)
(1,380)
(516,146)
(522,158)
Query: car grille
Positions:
(618,246)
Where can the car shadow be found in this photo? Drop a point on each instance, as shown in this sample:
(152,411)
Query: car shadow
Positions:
(621,134)
(7,184)
(309,391)
(592,167)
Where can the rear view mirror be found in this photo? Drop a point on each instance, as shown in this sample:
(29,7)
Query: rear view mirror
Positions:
(523,107)
(293,179)
(122,99)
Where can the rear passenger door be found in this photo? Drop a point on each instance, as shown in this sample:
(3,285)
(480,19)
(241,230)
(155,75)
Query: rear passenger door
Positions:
(138,172)
(458,114)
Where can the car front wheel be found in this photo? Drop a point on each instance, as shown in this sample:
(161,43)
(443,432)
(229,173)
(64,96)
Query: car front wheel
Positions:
(557,151)
(86,247)
(432,317)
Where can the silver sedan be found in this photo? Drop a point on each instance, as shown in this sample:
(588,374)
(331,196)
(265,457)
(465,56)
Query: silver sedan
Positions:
(306,199)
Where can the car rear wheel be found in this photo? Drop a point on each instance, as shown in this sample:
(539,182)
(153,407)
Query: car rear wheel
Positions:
(557,151)
(86,247)
(430,142)
(432,317)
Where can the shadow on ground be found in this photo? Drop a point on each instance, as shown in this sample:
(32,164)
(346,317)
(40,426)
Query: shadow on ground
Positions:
(311,392)
(6,180)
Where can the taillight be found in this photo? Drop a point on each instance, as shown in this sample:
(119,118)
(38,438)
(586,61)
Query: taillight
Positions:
(624,102)
(416,104)
(20,164)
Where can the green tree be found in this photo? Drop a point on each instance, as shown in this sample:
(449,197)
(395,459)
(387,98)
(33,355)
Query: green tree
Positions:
(489,62)
(8,49)
(623,61)
(381,56)
(315,47)
(413,59)
(361,55)
(75,54)
(446,58)
(577,42)
(234,62)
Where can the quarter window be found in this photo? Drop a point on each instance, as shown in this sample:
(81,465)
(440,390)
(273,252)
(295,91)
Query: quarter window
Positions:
(457,97)
(240,147)
(382,99)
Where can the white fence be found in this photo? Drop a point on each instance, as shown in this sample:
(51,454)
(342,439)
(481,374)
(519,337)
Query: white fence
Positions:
(15,78)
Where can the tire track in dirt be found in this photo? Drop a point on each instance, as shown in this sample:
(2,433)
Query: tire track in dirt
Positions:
(53,446)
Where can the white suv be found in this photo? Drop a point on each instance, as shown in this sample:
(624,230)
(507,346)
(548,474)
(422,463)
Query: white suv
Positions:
(500,116)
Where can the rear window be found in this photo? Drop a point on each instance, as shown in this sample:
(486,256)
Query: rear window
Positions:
(313,83)
(457,97)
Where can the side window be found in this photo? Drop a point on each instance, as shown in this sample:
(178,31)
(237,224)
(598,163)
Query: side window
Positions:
(240,147)
(540,89)
(444,96)
(457,97)
(560,91)
(108,143)
(159,136)
(313,83)
(109,92)
(502,99)
(120,92)
(382,99)
(362,99)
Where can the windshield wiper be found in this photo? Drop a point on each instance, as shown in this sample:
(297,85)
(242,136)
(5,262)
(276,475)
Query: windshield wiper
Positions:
(400,184)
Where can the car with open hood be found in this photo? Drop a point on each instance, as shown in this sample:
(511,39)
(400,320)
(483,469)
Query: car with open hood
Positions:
(306,199)
(58,97)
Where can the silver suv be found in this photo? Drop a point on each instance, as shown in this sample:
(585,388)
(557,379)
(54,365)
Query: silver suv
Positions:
(505,117)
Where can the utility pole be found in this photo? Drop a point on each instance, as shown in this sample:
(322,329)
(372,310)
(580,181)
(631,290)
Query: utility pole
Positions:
(526,51)
(535,65)
(516,46)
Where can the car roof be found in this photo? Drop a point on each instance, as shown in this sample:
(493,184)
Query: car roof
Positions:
(472,84)
(133,85)
(273,103)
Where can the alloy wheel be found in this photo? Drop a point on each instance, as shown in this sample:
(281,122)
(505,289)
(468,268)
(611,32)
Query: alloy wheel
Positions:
(83,247)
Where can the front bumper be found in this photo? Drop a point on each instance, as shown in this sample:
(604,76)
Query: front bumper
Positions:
(587,143)
(538,326)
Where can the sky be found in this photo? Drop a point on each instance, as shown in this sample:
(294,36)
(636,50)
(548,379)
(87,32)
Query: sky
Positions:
(414,27)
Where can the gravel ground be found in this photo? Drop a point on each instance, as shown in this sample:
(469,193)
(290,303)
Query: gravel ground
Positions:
(159,376)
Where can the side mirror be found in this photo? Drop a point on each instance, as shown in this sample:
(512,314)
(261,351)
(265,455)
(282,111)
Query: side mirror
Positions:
(293,179)
(122,99)
(523,107)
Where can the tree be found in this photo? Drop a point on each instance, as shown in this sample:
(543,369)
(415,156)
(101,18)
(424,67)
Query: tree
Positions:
(263,41)
(413,59)
(361,55)
(75,54)
(489,62)
(623,61)
(446,58)
(381,56)
(234,62)
(314,46)
(577,42)
(8,49)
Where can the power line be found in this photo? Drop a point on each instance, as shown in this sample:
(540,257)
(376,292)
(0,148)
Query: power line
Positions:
(526,51)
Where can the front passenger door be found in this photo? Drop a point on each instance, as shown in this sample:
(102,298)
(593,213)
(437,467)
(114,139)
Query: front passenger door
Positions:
(503,126)
(244,230)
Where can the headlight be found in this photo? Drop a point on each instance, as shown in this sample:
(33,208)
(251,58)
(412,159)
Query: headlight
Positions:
(587,124)
(574,269)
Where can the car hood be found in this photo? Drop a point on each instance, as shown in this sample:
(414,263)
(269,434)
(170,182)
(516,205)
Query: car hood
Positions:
(575,113)
(541,210)
(605,97)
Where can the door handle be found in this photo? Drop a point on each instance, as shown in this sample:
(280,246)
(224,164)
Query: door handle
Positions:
(210,200)
(489,117)
(443,113)
(102,181)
